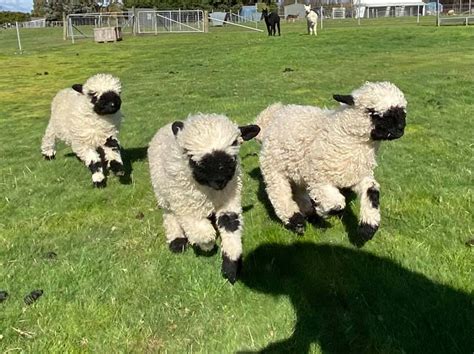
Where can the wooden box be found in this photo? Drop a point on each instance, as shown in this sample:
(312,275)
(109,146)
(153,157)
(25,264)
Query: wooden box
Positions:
(107,34)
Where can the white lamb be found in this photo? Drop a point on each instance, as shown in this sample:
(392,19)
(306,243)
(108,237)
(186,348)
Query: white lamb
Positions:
(87,117)
(309,154)
(195,173)
(311,20)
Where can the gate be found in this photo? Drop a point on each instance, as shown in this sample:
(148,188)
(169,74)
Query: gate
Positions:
(151,21)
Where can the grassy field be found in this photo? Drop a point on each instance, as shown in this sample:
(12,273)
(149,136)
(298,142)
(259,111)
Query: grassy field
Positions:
(115,287)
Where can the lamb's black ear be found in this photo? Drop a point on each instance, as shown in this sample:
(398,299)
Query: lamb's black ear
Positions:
(249,131)
(347,99)
(177,126)
(77,87)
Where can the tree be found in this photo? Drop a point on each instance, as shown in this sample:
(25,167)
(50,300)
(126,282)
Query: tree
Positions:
(12,17)
(38,8)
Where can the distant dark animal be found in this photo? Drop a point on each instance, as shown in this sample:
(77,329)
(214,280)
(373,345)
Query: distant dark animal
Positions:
(227,18)
(291,18)
(272,20)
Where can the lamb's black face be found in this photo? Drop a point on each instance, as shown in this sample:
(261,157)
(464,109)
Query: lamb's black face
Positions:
(390,125)
(107,103)
(215,169)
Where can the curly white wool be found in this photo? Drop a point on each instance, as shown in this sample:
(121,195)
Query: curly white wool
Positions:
(188,205)
(74,121)
(309,153)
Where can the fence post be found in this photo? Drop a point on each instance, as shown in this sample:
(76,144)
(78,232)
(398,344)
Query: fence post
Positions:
(134,21)
(18,37)
(437,13)
(205,22)
(70,28)
(322,16)
(64,27)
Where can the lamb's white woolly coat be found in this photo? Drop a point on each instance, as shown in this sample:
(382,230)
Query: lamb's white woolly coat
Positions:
(74,121)
(315,151)
(186,203)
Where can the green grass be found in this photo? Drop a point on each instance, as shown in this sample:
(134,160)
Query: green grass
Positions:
(114,285)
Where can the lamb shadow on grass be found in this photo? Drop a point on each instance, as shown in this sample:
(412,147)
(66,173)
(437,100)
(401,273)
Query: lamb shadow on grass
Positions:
(262,196)
(350,301)
(129,156)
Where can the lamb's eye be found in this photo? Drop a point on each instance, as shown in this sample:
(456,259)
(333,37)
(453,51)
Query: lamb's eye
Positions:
(93,97)
(235,143)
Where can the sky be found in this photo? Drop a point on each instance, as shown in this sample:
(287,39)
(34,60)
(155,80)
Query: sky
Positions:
(16,5)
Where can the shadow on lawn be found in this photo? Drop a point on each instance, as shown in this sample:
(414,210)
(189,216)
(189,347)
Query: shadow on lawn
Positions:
(129,156)
(350,301)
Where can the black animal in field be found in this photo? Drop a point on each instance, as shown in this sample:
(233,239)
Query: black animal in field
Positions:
(272,20)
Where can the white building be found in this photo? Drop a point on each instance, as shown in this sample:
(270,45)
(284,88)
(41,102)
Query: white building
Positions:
(388,8)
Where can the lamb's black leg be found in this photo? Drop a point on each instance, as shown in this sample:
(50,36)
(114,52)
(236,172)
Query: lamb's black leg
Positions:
(113,157)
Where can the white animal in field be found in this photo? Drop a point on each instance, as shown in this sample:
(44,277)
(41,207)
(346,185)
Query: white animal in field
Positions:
(311,20)
(87,117)
(309,154)
(195,172)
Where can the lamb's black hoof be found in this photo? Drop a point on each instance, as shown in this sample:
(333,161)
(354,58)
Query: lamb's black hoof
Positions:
(100,184)
(178,245)
(231,269)
(337,211)
(296,224)
(198,251)
(3,296)
(366,231)
(49,157)
(318,221)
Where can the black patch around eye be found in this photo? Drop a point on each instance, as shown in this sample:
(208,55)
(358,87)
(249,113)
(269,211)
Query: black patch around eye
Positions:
(389,125)
(235,143)
(93,97)
(215,169)
(107,103)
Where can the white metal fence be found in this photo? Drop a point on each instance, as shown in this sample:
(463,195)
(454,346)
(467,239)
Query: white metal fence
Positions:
(152,21)
(82,25)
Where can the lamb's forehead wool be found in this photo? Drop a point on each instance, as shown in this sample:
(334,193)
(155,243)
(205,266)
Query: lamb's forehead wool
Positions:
(379,96)
(101,83)
(203,133)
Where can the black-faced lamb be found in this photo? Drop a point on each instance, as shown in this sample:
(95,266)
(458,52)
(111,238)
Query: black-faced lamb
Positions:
(195,173)
(309,154)
(87,117)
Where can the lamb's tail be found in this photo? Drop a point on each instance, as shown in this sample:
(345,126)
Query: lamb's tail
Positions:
(265,118)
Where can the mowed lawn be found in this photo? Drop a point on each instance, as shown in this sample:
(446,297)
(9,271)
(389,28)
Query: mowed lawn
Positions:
(115,287)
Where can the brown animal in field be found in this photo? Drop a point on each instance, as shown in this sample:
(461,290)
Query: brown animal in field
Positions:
(291,18)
